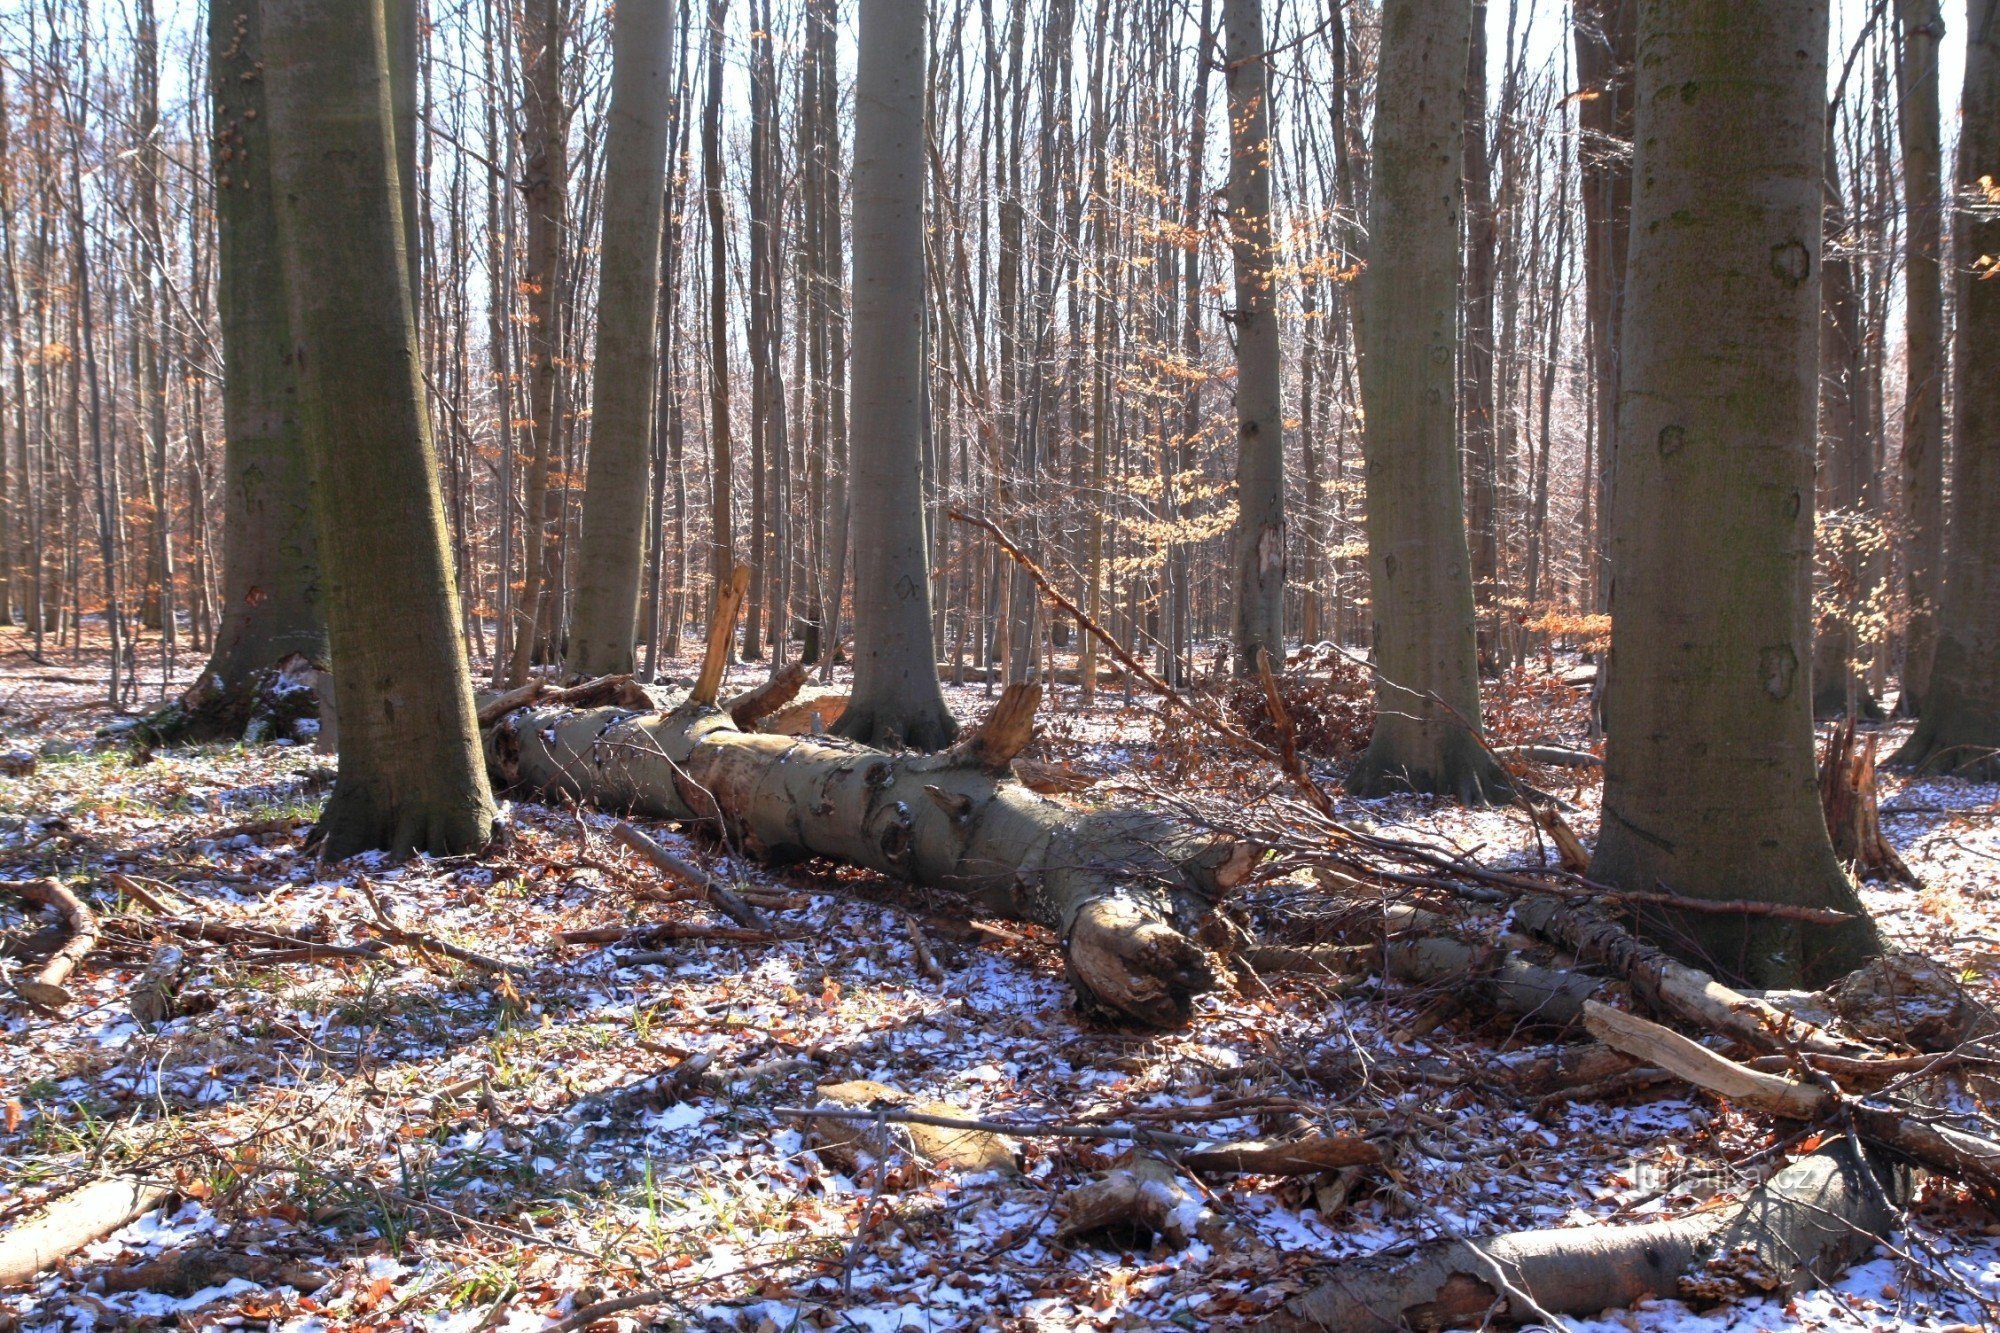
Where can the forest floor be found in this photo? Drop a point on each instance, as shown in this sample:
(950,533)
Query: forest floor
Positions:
(407,1142)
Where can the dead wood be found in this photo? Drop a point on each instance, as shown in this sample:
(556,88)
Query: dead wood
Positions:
(74,1221)
(1125,888)
(707,887)
(721,629)
(423,941)
(1306,1156)
(151,999)
(657,932)
(1139,1198)
(496,706)
(813,712)
(845,1143)
(1803,1226)
(752,706)
(186,1271)
(1668,986)
(1912,1132)
(45,988)
(1847,796)
(1556,756)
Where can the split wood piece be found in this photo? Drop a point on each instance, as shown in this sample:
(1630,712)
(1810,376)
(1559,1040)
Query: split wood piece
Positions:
(1125,887)
(1800,1228)
(423,940)
(1668,986)
(1556,756)
(45,988)
(1138,1198)
(752,706)
(1284,1157)
(1203,712)
(1569,848)
(707,887)
(920,945)
(721,628)
(74,1221)
(151,893)
(1910,1131)
(494,707)
(1312,959)
(152,997)
(845,1142)
(815,709)
(1052,779)
(1853,818)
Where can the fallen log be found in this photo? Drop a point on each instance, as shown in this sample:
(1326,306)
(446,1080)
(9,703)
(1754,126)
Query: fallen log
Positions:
(1913,1132)
(1125,888)
(1802,1227)
(1671,987)
(1556,756)
(45,988)
(74,1221)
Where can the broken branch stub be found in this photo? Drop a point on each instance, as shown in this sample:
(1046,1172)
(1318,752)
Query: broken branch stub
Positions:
(1125,887)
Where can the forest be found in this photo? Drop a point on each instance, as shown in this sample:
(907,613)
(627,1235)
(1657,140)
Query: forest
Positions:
(1006,664)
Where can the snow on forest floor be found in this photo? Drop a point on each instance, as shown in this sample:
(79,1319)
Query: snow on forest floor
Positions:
(409,1143)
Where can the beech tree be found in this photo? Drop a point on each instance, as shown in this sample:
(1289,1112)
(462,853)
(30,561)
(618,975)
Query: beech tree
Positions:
(604,632)
(1426,657)
(272,587)
(897,701)
(412,775)
(1709,769)
(1922,480)
(1260,417)
(1958,731)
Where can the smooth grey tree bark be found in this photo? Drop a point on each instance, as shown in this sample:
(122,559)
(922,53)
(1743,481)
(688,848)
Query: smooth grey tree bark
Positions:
(896,701)
(272,588)
(1924,361)
(1260,414)
(1959,731)
(412,777)
(1426,657)
(1709,774)
(605,628)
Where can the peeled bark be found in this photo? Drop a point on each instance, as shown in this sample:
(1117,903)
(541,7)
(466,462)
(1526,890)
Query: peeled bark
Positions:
(1260,416)
(1427,665)
(1798,1229)
(410,775)
(1125,888)
(1959,727)
(622,401)
(1709,768)
(896,700)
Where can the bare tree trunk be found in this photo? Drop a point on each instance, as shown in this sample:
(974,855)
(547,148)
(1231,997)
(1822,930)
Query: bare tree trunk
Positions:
(411,776)
(896,701)
(545,195)
(1260,414)
(1482,500)
(1925,370)
(1426,656)
(1959,731)
(622,401)
(721,541)
(1709,774)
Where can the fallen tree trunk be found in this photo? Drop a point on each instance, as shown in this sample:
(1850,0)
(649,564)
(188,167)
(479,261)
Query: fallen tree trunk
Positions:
(1125,888)
(1801,1227)
(74,1221)
(45,988)
(1914,1132)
